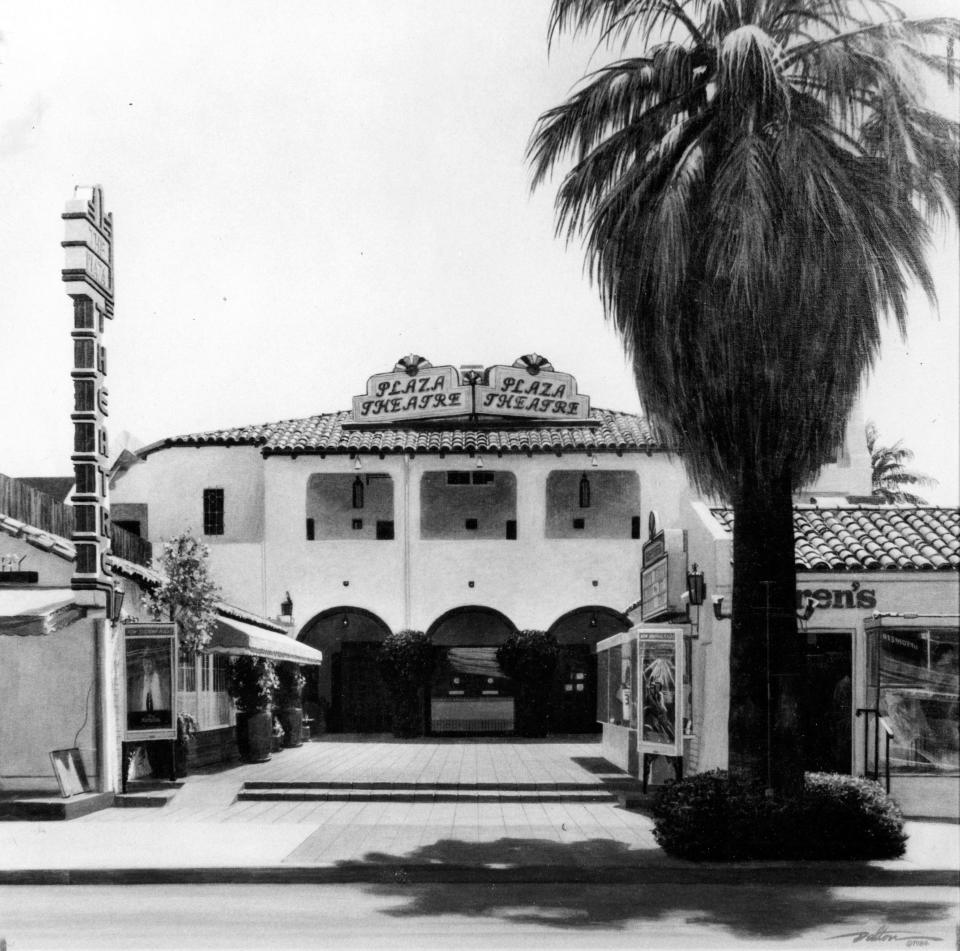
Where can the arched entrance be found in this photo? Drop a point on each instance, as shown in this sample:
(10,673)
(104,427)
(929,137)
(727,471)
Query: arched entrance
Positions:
(348,683)
(470,694)
(575,683)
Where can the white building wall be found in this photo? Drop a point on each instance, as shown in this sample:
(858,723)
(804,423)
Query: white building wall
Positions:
(410,582)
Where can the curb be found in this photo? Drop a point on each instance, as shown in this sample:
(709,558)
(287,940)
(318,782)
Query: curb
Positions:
(815,874)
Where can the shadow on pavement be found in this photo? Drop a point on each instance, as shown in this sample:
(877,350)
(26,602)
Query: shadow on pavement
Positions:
(783,908)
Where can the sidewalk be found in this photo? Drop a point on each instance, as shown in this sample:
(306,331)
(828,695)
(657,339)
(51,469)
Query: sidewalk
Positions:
(418,811)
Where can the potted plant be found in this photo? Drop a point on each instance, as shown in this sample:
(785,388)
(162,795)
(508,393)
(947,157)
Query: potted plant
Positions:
(289,694)
(406,660)
(187,729)
(251,683)
(530,658)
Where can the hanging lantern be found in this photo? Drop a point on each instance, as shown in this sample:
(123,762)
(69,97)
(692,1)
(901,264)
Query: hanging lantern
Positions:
(358,493)
(584,492)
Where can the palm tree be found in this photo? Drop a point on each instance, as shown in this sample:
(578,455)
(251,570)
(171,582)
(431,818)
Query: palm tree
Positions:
(755,188)
(890,474)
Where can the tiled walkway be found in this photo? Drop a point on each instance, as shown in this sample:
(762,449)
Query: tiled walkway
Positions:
(205,827)
(394,832)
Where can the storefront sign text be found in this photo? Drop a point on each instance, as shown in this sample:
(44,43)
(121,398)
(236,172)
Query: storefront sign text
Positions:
(855,597)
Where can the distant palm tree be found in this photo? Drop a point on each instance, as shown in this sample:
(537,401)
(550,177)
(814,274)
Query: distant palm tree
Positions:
(890,475)
(754,183)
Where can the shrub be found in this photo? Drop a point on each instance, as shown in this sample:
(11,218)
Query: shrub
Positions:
(290,683)
(251,682)
(715,817)
(407,660)
(530,658)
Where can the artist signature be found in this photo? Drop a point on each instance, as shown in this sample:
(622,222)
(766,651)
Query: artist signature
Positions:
(884,934)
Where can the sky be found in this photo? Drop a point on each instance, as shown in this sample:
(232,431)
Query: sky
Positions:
(303,192)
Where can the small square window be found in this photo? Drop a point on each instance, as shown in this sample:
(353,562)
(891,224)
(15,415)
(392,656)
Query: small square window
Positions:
(458,478)
(471,525)
(511,529)
(482,478)
(311,531)
(635,526)
(213,511)
(356,524)
(385,531)
(579,523)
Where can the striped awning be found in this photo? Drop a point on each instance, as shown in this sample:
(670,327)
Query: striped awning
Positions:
(237,638)
(29,612)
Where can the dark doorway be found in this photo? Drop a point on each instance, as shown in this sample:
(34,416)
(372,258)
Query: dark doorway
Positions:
(347,687)
(359,690)
(575,691)
(826,702)
(575,682)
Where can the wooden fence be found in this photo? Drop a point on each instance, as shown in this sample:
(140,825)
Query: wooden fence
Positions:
(42,511)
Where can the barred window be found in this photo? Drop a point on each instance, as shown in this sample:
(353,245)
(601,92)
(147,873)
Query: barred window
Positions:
(213,511)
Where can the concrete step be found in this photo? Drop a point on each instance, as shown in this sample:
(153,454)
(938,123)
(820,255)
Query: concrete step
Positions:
(614,785)
(55,807)
(410,792)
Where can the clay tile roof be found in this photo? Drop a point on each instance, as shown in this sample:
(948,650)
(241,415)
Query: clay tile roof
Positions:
(869,538)
(606,431)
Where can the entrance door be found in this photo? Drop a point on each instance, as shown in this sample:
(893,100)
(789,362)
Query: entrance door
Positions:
(826,702)
(575,691)
(364,699)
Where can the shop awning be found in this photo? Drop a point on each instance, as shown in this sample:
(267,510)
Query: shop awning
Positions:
(32,611)
(238,638)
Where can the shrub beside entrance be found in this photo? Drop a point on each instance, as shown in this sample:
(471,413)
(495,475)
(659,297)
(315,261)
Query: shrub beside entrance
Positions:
(406,661)
(715,817)
(530,658)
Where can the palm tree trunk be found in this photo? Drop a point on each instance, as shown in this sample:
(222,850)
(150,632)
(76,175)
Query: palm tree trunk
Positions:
(765,650)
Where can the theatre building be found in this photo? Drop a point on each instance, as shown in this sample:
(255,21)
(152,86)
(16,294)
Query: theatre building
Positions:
(464,502)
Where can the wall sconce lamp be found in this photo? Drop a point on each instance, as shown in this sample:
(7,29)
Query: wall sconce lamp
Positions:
(696,586)
(718,613)
(584,491)
(358,493)
(116,604)
(286,606)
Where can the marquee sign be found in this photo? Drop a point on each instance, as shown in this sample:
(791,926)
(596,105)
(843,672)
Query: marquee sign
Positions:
(546,394)
(88,276)
(663,577)
(415,389)
(425,392)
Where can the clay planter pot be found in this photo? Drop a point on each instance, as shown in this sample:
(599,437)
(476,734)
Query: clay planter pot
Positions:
(255,736)
(291,719)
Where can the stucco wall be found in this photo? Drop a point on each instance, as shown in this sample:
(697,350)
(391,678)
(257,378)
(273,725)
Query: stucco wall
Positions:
(171,482)
(47,690)
(410,581)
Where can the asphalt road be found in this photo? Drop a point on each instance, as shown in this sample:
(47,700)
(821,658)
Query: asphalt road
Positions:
(459,917)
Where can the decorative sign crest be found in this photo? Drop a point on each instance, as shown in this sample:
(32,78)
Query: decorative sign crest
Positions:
(530,389)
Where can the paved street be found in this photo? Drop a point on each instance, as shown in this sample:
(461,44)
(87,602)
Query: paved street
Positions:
(290,917)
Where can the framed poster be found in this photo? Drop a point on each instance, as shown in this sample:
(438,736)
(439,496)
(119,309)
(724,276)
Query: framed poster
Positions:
(71,776)
(150,691)
(661,690)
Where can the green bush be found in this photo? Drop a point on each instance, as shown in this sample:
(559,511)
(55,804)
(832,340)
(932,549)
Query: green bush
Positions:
(530,658)
(407,660)
(290,682)
(251,682)
(715,817)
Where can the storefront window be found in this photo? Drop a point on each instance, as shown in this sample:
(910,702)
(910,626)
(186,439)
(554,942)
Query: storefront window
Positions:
(914,678)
